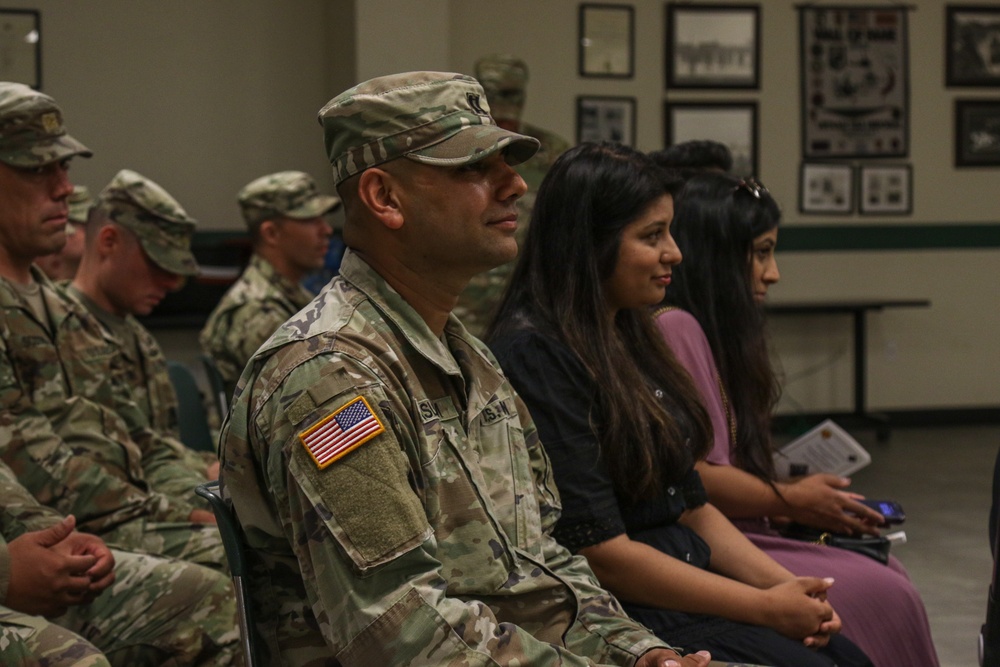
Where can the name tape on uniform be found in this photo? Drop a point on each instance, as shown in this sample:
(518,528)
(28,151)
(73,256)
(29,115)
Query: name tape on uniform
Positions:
(341,432)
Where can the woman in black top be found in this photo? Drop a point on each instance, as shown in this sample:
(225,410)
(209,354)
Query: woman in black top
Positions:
(621,422)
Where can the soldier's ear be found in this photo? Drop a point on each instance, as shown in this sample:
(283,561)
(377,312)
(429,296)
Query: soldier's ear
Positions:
(108,237)
(378,191)
(268,231)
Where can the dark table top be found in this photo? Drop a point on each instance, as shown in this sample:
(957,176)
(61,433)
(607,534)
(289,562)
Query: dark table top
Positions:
(800,306)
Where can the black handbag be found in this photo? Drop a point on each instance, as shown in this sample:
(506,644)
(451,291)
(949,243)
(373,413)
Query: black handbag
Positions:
(873,546)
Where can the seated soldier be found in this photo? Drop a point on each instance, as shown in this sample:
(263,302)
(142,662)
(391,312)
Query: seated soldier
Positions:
(284,213)
(388,478)
(76,441)
(138,230)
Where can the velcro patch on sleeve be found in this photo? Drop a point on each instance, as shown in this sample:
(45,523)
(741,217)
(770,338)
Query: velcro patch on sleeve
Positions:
(341,432)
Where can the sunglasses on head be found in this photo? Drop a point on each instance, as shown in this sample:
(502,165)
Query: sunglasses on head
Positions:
(751,185)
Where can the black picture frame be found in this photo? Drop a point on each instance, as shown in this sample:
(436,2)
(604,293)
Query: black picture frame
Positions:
(722,42)
(731,123)
(826,188)
(972,45)
(885,189)
(855,82)
(606,41)
(20,37)
(977,133)
(605,119)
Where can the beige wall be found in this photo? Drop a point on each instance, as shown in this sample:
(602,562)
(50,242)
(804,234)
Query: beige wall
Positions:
(200,96)
(395,36)
(204,96)
(947,355)
(545,34)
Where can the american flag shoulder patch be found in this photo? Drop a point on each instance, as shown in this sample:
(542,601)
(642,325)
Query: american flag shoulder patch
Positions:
(340,432)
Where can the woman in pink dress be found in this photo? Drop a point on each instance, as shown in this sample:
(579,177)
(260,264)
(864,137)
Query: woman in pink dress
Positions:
(727,229)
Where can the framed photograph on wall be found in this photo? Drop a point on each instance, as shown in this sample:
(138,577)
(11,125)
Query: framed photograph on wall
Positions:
(855,81)
(605,119)
(826,188)
(607,41)
(21,47)
(977,133)
(713,46)
(731,123)
(972,56)
(885,189)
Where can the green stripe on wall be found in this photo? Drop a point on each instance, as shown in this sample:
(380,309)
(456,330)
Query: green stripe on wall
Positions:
(816,238)
(808,238)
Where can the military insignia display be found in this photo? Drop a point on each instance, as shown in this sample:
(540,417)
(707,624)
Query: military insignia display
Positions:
(855,79)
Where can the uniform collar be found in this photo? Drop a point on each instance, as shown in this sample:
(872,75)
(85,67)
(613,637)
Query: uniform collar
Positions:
(293,291)
(462,349)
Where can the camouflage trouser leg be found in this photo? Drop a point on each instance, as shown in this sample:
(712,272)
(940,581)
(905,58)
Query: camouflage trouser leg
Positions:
(161,612)
(192,542)
(33,641)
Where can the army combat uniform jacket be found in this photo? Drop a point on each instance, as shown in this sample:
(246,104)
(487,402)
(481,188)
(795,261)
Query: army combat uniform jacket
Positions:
(169,465)
(77,441)
(423,535)
(57,387)
(249,312)
(149,381)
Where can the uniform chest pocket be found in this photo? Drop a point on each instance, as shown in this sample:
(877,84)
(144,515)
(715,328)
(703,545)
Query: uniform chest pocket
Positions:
(506,466)
(471,541)
(38,369)
(92,369)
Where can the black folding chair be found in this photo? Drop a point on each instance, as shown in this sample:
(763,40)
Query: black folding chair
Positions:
(989,634)
(232,541)
(217,385)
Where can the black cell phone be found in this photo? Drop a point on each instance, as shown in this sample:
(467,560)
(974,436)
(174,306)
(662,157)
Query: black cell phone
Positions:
(890,509)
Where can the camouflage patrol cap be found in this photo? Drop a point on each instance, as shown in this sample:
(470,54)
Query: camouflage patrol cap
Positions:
(32,133)
(163,228)
(79,203)
(503,78)
(290,194)
(435,118)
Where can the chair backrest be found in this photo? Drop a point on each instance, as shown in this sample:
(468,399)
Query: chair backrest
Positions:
(195,432)
(232,541)
(989,634)
(217,384)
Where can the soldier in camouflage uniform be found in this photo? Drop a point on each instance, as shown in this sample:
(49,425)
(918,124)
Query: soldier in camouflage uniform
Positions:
(504,78)
(284,213)
(138,230)
(62,266)
(78,443)
(388,478)
(155,612)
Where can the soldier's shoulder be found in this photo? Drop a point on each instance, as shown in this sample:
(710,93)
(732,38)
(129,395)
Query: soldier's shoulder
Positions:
(326,315)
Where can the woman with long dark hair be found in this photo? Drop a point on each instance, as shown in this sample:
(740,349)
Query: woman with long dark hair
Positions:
(727,229)
(623,426)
